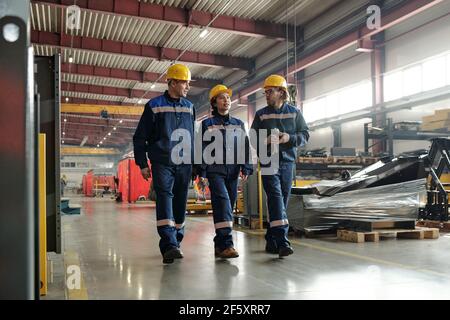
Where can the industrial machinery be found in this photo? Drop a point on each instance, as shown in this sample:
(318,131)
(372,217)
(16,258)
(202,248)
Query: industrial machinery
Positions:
(438,164)
(408,186)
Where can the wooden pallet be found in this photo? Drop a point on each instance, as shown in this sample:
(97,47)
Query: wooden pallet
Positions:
(368,160)
(346,160)
(442,226)
(198,208)
(375,236)
(367,225)
(312,160)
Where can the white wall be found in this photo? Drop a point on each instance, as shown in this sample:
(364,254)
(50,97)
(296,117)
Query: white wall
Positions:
(353,134)
(240,113)
(339,72)
(320,138)
(419,44)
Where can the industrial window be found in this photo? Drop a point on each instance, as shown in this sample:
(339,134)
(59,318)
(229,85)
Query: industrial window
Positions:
(434,73)
(393,86)
(332,105)
(314,109)
(429,74)
(448,69)
(104,165)
(412,80)
(82,165)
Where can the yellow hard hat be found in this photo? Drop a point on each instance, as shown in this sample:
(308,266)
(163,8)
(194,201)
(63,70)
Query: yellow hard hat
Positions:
(276,81)
(220,88)
(179,72)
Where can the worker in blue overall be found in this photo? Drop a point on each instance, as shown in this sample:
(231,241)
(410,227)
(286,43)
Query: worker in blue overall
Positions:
(153,137)
(285,126)
(222,171)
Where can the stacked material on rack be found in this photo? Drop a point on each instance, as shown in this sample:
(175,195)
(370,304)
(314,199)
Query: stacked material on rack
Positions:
(313,153)
(407,125)
(439,121)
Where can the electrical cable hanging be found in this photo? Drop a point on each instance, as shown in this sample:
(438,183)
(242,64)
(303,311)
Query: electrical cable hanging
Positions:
(190,44)
(287,38)
(178,57)
(70,65)
(295,54)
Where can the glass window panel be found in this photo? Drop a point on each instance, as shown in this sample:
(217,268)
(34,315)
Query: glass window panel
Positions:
(412,80)
(434,73)
(393,86)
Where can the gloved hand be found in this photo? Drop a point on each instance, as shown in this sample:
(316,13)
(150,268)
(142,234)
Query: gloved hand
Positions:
(146,173)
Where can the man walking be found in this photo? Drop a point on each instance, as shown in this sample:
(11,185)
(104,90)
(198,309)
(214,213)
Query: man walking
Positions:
(162,116)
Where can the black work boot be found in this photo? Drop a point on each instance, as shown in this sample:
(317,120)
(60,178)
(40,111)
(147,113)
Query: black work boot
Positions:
(170,255)
(271,249)
(285,251)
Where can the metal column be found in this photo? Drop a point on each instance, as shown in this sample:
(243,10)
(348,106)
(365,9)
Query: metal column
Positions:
(378,57)
(17,149)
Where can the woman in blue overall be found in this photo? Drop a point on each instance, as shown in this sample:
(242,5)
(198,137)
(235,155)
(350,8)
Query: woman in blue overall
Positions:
(222,171)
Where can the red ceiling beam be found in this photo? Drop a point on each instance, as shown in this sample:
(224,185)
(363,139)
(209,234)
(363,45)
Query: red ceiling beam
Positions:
(111,91)
(408,10)
(123,74)
(181,17)
(64,41)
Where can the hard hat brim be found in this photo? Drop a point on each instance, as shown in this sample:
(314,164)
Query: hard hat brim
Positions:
(229,91)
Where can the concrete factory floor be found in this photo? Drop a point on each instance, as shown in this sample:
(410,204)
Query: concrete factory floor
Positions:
(116,246)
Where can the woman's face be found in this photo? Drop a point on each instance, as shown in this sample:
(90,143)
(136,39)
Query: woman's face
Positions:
(223,102)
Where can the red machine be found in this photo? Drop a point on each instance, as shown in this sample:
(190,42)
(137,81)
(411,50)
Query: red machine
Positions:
(131,184)
(93,183)
(88,184)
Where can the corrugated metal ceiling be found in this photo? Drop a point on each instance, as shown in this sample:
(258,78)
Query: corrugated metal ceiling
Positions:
(278,11)
(122,28)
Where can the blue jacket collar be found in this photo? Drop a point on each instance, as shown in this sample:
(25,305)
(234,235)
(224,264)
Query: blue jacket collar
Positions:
(170,99)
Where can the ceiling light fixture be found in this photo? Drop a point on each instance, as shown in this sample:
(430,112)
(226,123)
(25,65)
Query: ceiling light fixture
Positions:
(203,33)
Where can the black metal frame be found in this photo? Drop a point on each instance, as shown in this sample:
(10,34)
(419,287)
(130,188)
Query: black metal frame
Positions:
(48,86)
(438,161)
